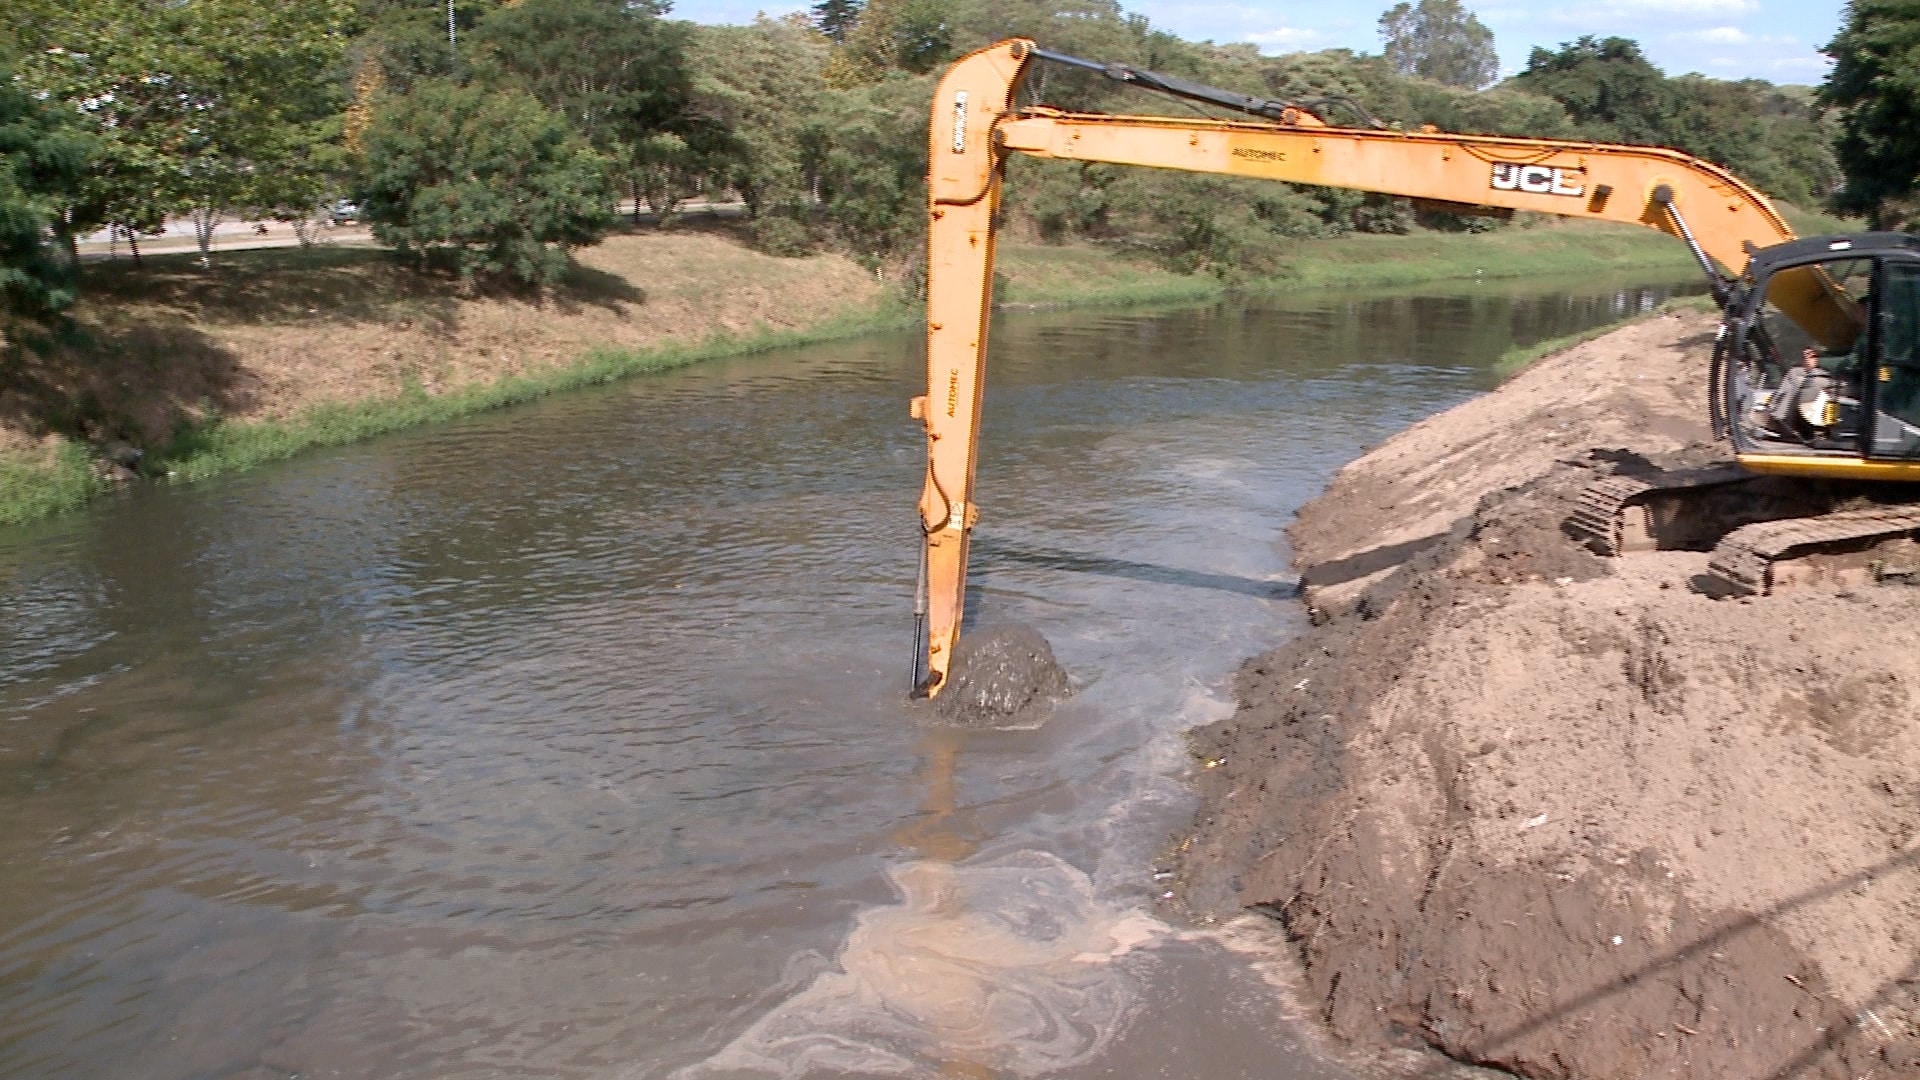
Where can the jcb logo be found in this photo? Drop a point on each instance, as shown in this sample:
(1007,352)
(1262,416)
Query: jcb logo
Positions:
(1538,179)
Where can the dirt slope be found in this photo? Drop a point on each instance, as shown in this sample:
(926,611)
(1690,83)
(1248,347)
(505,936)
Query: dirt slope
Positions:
(1560,814)
(264,335)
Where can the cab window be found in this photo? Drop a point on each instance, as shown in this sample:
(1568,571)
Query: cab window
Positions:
(1848,282)
(1899,365)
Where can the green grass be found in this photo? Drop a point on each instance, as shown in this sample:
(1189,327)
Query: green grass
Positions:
(1038,275)
(1818,222)
(1547,250)
(1520,357)
(32,489)
(1035,275)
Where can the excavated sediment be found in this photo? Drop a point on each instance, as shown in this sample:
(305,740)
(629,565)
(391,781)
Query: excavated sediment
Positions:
(1003,676)
(1559,814)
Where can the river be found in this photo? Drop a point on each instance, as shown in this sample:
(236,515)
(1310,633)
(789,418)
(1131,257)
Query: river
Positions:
(570,740)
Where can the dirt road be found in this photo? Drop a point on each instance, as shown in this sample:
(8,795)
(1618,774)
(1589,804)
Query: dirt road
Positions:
(1560,814)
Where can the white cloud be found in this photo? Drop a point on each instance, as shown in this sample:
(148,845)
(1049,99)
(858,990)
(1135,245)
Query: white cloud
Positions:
(1719,35)
(1797,64)
(1286,39)
(1682,9)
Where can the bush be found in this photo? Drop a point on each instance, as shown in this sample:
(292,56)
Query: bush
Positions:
(1381,214)
(777,234)
(490,181)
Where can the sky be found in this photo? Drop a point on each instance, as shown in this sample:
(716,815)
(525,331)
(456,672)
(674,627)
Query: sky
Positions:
(1775,40)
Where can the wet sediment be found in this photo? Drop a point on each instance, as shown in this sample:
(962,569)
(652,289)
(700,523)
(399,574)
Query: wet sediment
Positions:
(1003,676)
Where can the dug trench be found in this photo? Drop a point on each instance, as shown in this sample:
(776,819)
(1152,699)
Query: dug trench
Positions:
(1560,814)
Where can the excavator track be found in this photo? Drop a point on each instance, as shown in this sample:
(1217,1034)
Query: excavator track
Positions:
(1744,562)
(1618,514)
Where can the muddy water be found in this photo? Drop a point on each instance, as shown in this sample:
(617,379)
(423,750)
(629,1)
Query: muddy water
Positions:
(569,741)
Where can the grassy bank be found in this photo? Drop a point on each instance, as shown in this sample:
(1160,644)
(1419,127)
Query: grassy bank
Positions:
(66,475)
(1040,276)
(274,352)
(1517,359)
(1547,249)
(1037,276)
(49,480)
(210,449)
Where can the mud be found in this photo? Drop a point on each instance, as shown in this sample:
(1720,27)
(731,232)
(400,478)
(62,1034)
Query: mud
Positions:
(1559,814)
(1003,676)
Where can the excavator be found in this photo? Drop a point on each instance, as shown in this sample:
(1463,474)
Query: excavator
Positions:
(1815,372)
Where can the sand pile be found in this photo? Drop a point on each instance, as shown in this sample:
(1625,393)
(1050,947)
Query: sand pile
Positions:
(1561,814)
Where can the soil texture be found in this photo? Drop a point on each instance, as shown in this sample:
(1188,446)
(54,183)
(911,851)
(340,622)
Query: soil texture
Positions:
(1560,814)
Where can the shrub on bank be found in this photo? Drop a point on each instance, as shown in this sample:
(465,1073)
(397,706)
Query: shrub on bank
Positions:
(487,183)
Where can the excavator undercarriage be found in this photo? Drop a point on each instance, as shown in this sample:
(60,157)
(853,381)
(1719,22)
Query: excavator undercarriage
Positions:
(1764,533)
(1824,418)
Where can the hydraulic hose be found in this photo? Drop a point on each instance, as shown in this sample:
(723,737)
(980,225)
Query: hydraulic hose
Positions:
(1269,108)
(1719,387)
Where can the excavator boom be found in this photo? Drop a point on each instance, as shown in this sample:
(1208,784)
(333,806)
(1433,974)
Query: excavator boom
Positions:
(976,124)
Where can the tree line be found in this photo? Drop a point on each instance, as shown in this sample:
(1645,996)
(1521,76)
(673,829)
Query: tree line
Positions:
(486,138)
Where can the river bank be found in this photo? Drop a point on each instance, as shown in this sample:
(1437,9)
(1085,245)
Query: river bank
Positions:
(1559,814)
(608,691)
(180,374)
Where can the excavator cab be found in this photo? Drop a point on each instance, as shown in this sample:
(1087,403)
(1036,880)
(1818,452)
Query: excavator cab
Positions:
(1844,385)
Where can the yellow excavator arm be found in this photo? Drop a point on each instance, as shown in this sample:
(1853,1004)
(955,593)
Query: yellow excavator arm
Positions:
(976,125)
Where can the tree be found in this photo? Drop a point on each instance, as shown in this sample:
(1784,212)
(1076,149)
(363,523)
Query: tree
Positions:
(88,57)
(756,88)
(1765,135)
(43,152)
(200,106)
(407,39)
(613,68)
(1439,40)
(905,35)
(1875,81)
(259,87)
(865,155)
(488,181)
(1729,123)
(835,18)
(1608,87)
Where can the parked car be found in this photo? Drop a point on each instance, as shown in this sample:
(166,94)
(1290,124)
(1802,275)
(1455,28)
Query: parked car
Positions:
(344,212)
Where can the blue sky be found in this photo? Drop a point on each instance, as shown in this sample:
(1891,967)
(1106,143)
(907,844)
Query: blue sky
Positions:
(1776,40)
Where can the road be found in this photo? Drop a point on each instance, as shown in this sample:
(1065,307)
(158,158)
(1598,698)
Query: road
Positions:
(178,236)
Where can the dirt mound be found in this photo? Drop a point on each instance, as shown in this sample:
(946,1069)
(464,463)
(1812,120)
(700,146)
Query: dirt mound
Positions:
(1559,814)
(1629,400)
